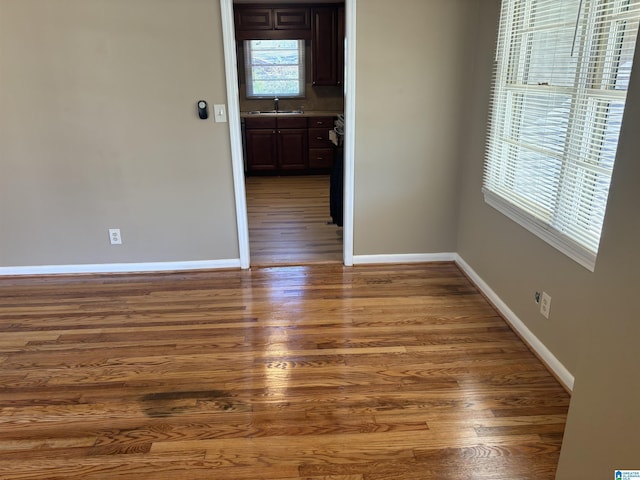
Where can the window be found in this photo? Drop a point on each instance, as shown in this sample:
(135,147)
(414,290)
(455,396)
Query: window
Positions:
(274,68)
(562,72)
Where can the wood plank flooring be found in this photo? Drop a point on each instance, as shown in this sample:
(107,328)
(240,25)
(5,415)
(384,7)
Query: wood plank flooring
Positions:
(318,372)
(288,221)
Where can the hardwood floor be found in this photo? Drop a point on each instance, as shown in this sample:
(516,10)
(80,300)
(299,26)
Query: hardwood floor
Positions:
(316,372)
(288,221)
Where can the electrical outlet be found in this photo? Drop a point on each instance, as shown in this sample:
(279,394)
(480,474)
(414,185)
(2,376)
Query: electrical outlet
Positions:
(545,304)
(114,236)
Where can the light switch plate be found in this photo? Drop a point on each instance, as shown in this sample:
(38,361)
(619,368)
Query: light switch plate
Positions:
(220,113)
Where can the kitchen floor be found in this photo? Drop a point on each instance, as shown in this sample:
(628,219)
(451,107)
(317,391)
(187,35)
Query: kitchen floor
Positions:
(288,221)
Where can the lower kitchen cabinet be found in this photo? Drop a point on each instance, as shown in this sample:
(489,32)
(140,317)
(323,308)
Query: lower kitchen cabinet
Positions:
(276,145)
(288,145)
(321,158)
(262,150)
(292,149)
(321,150)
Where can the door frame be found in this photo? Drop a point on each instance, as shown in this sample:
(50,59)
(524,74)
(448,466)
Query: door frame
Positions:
(237,158)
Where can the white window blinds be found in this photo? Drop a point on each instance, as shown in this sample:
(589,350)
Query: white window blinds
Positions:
(562,72)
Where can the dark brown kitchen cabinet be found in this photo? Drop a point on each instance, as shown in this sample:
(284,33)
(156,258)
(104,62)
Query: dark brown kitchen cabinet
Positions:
(292,144)
(262,150)
(255,23)
(294,18)
(341,43)
(276,145)
(327,48)
(321,151)
(251,18)
(321,158)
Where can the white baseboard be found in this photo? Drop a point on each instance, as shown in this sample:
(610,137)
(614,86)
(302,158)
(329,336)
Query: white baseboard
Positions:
(560,371)
(403,258)
(120,267)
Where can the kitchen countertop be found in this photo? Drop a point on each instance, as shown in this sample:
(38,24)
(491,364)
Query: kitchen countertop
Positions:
(306,113)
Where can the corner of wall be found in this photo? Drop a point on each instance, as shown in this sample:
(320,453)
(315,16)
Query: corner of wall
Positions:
(562,374)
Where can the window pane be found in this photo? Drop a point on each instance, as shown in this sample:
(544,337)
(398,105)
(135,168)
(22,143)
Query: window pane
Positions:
(542,120)
(544,49)
(274,68)
(536,179)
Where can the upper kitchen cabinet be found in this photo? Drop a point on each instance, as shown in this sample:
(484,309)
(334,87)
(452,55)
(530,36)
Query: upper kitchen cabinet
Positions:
(252,18)
(341,43)
(328,45)
(273,23)
(292,18)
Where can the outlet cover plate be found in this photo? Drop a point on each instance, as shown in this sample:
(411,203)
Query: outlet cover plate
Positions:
(114,236)
(545,304)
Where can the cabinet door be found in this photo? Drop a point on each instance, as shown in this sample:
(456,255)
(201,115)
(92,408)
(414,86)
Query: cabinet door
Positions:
(257,23)
(292,18)
(341,44)
(324,58)
(261,150)
(292,149)
(253,18)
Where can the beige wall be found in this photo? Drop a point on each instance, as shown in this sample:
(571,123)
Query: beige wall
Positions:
(98,129)
(594,326)
(412,61)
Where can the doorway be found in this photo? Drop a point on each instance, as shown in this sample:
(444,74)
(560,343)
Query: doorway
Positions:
(240,186)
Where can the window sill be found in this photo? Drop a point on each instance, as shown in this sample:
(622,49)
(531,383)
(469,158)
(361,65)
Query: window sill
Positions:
(556,239)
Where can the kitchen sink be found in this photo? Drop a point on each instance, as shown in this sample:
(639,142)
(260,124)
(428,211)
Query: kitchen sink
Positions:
(274,112)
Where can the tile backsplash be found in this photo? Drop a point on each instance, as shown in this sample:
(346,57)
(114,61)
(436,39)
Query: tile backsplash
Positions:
(317,98)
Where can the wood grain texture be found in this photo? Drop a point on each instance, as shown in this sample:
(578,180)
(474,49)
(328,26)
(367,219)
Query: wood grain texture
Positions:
(312,372)
(288,221)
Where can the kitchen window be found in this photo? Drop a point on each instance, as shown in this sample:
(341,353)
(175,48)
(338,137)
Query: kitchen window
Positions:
(274,68)
(561,78)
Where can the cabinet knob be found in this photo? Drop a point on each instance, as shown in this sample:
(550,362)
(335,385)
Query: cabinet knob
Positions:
(319,138)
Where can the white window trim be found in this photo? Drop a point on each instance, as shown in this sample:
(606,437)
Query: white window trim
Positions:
(556,239)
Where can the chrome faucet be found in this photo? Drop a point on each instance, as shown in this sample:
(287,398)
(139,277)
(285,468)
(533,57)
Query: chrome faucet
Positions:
(276,104)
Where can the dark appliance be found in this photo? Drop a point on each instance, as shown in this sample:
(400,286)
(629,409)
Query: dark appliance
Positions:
(336,180)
